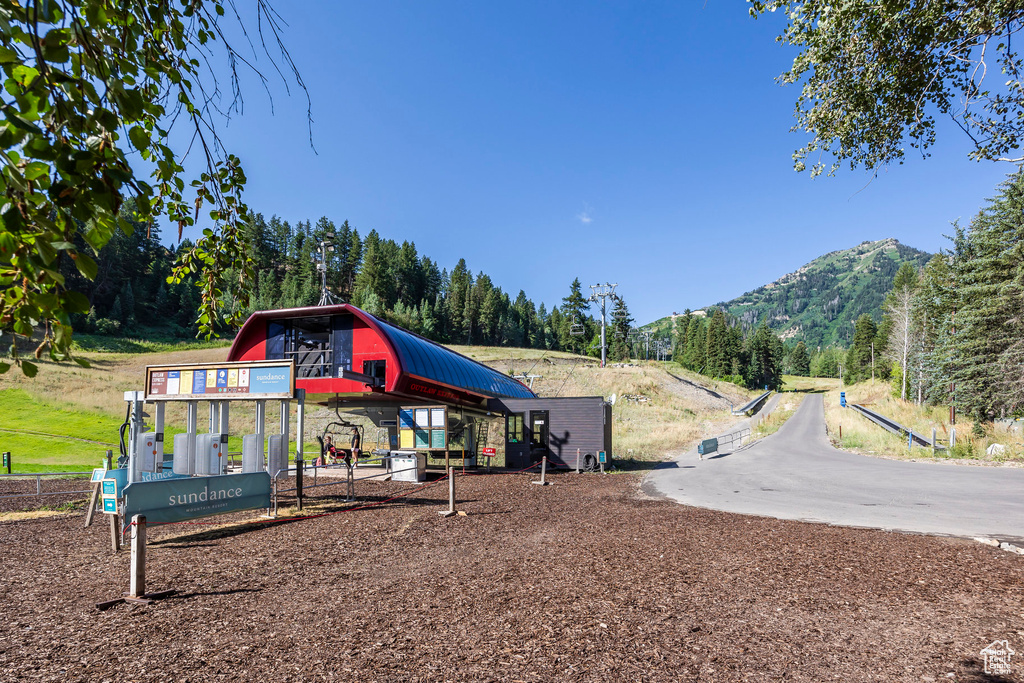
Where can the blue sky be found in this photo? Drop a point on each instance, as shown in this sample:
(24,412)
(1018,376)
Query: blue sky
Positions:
(640,143)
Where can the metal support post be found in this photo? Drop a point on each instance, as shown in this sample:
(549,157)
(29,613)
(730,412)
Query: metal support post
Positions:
(451,495)
(543,472)
(299,433)
(214,418)
(138,578)
(933,438)
(952,437)
(110,460)
(7,460)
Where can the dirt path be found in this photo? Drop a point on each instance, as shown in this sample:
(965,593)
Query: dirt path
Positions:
(580,581)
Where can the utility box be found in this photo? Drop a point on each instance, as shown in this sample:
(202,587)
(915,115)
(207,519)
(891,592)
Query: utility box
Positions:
(184,454)
(150,452)
(252,453)
(210,450)
(408,466)
(277,455)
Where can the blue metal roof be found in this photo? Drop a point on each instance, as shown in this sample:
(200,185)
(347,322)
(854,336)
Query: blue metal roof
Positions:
(431,361)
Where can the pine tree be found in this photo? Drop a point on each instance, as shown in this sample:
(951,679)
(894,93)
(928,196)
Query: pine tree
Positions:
(622,322)
(574,312)
(799,362)
(718,360)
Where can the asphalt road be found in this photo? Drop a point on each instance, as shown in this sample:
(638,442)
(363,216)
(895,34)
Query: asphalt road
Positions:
(796,474)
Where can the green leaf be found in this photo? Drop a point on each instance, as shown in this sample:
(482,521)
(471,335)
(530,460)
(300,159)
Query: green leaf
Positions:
(86,266)
(30,369)
(4,367)
(35,170)
(139,137)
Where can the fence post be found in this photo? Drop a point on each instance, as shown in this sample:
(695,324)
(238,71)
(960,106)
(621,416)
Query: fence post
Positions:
(952,436)
(138,578)
(543,472)
(39,485)
(110,460)
(115,532)
(299,466)
(933,438)
(910,440)
(451,494)
(92,503)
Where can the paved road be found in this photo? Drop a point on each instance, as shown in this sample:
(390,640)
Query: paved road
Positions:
(796,474)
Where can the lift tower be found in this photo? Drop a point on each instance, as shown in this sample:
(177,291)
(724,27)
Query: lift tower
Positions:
(602,293)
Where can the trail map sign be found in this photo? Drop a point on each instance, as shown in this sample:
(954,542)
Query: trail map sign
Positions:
(423,429)
(213,381)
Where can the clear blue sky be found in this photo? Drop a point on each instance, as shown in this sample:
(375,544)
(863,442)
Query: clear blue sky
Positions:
(640,143)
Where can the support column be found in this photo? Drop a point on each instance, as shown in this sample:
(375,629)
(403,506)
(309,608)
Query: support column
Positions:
(138,578)
(300,424)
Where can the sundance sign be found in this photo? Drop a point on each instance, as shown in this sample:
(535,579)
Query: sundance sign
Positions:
(177,500)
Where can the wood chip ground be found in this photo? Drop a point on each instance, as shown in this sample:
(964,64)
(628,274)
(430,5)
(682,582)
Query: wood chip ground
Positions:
(585,580)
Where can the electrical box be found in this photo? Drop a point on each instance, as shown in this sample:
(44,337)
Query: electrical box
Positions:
(252,453)
(184,454)
(149,452)
(210,451)
(277,455)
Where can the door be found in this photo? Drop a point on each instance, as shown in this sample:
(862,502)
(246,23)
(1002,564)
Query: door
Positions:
(538,434)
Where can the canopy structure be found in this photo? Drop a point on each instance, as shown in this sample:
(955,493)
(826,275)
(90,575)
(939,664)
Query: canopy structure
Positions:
(343,353)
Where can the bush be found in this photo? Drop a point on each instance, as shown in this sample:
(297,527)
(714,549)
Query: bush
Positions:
(108,327)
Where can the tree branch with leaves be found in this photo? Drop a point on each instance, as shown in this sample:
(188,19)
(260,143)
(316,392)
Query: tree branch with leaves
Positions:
(93,90)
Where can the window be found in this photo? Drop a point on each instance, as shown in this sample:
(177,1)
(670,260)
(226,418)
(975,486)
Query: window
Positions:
(514,428)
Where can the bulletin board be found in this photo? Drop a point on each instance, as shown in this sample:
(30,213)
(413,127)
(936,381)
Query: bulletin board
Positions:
(423,428)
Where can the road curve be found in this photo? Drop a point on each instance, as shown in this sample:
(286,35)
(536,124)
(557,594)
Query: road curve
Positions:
(796,474)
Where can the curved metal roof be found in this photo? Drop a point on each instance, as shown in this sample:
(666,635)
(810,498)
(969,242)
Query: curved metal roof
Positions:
(426,359)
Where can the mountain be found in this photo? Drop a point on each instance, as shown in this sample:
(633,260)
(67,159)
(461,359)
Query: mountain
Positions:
(820,302)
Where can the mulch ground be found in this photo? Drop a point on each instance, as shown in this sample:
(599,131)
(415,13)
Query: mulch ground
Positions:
(585,580)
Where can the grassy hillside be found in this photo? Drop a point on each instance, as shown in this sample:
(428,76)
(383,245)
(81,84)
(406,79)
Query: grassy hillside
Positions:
(66,417)
(820,302)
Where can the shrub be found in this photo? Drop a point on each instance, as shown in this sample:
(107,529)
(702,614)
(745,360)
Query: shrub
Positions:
(108,327)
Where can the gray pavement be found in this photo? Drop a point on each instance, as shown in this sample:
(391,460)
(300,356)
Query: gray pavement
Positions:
(796,474)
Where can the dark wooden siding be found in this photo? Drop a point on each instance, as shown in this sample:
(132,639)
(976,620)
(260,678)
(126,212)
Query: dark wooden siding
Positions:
(574,422)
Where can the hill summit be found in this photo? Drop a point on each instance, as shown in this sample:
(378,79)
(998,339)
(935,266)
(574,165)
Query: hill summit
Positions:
(819,302)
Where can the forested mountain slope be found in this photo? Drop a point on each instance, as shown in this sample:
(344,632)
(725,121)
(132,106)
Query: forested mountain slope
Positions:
(820,302)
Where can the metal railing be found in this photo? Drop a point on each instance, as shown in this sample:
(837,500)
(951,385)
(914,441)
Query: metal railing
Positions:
(732,437)
(39,483)
(750,406)
(892,426)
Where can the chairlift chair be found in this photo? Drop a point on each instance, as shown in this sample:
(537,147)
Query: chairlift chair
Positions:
(576,329)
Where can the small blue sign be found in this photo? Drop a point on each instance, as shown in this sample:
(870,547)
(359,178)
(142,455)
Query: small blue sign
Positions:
(602,457)
(199,382)
(222,378)
(98,474)
(842,399)
(110,487)
(110,505)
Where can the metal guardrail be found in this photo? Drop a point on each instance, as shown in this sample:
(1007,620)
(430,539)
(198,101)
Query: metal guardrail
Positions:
(750,406)
(39,483)
(892,426)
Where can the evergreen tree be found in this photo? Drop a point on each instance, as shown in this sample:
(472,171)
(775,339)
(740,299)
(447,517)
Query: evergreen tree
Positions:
(622,323)
(718,342)
(765,366)
(799,361)
(574,312)
(858,358)
(695,355)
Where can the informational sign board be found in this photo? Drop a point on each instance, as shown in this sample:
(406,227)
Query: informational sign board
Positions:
(602,457)
(110,488)
(255,380)
(177,500)
(423,429)
(109,505)
(98,474)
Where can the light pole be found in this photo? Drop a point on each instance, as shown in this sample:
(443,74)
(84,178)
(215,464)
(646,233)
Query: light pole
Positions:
(602,293)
